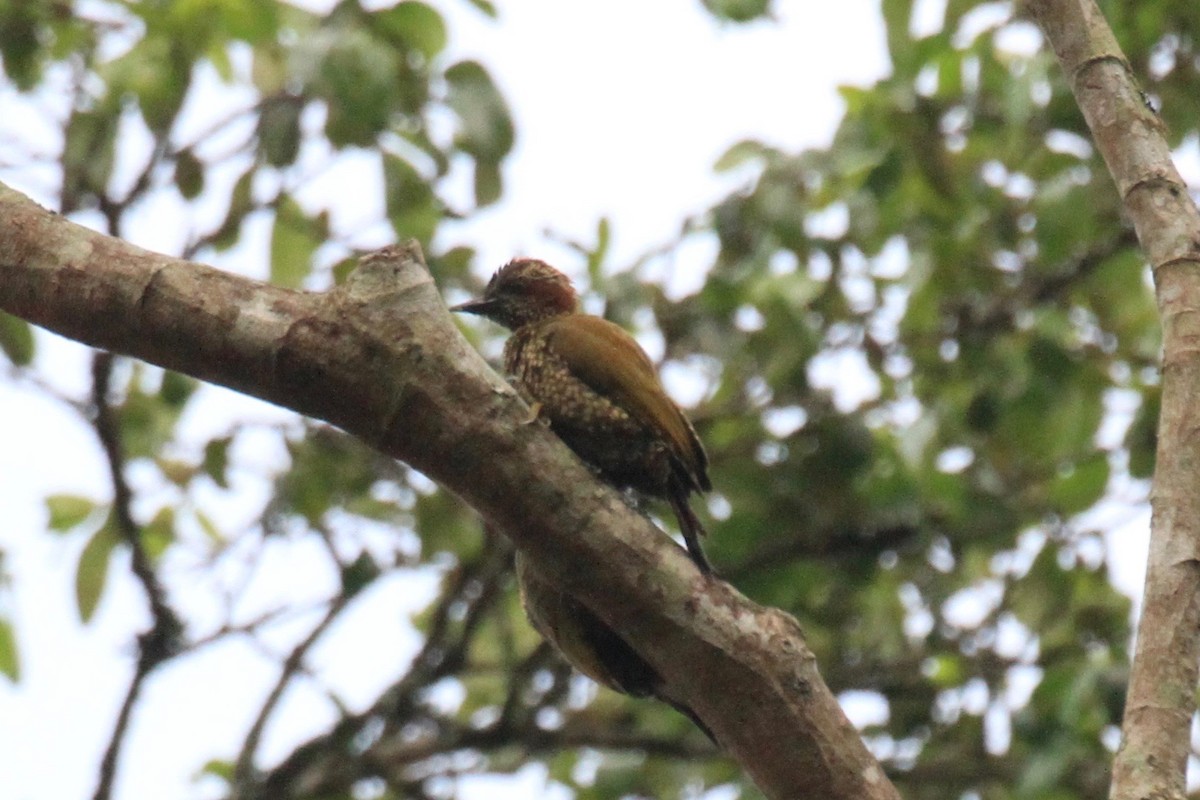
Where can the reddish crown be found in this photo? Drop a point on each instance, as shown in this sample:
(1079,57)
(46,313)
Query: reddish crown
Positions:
(524,290)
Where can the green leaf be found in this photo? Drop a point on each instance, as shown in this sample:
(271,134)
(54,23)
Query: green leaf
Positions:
(68,510)
(342,269)
(415,25)
(154,73)
(209,527)
(1081,486)
(88,153)
(216,460)
(741,153)
(148,420)
(486,6)
(21,36)
(241,203)
(410,203)
(486,129)
(189,174)
(222,770)
(444,526)
(358,574)
(597,254)
(945,671)
(328,469)
(16,339)
(488,183)
(209,25)
(177,388)
(91,574)
(10,657)
(1142,437)
(454,264)
(175,470)
(279,130)
(738,10)
(896,17)
(158,534)
(271,70)
(293,241)
(359,78)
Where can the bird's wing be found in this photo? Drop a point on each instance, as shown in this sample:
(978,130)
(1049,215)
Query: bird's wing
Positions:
(608,360)
(591,646)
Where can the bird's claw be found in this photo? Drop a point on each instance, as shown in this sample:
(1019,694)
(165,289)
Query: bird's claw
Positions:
(535,409)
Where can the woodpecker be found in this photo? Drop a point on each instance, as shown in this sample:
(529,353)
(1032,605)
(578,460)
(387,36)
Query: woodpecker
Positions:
(601,395)
(597,389)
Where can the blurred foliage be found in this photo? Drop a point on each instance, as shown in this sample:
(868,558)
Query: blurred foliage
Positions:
(929,350)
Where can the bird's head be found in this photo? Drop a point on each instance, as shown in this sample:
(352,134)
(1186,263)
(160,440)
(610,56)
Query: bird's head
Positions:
(524,290)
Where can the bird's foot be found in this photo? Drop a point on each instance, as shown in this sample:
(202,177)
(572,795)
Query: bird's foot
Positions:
(535,409)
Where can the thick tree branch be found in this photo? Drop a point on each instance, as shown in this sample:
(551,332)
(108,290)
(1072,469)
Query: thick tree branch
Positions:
(381,358)
(1152,761)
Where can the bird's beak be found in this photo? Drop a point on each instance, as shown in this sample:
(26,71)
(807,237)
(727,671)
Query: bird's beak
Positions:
(480,306)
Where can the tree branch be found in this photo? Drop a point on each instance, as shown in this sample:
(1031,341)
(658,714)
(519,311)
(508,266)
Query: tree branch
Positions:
(320,765)
(244,766)
(1152,761)
(162,640)
(381,358)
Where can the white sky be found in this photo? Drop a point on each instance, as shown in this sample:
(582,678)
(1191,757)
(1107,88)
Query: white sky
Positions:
(621,109)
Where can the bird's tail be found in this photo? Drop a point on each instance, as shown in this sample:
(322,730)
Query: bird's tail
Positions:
(692,530)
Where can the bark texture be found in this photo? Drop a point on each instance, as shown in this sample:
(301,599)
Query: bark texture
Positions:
(381,358)
(1152,761)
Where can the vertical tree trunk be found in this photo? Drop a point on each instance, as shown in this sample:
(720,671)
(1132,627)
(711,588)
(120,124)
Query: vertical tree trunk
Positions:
(1152,761)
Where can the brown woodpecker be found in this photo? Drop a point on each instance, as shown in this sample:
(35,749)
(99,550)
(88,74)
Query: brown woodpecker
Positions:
(598,390)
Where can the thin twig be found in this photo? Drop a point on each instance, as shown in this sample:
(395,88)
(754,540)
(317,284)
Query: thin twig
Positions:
(291,665)
(541,657)
(162,641)
(333,761)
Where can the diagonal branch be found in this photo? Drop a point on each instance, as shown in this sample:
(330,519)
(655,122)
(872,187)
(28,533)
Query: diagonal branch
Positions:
(244,766)
(1152,761)
(381,358)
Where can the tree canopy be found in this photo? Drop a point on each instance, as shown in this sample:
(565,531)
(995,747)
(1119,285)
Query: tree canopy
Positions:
(929,360)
